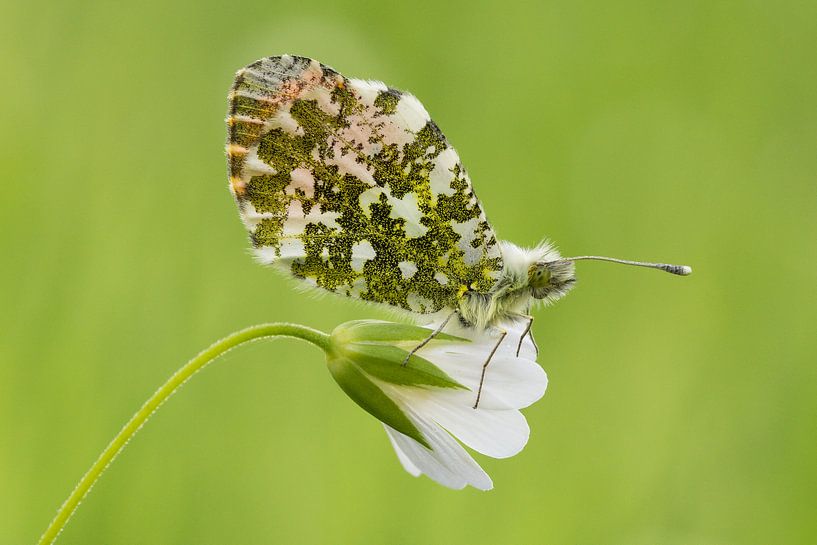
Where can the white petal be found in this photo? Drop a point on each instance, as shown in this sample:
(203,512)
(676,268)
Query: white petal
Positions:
(510,344)
(484,341)
(447,463)
(499,434)
(495,433)
(510,383)
(405,461)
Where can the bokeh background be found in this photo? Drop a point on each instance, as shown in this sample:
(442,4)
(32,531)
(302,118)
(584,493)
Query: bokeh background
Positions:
(680,410)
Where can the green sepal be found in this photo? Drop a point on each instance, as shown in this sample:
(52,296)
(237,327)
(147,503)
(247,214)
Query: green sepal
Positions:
(372,399)
(375,331)
(385,362)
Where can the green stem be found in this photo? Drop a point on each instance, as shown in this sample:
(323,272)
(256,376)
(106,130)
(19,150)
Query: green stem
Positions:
(167,389)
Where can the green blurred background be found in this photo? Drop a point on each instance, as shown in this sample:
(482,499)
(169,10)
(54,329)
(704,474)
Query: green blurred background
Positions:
(680,410)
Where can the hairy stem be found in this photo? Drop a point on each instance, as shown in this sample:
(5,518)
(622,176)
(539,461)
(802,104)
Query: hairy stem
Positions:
(167,389)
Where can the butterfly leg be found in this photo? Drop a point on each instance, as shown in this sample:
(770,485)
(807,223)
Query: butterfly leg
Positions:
(429,338)
(485,366)
(525,334)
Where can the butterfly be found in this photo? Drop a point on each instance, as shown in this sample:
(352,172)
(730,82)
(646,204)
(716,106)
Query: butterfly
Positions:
(349,186)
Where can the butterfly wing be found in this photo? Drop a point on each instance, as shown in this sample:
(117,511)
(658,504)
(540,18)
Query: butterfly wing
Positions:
(349,186)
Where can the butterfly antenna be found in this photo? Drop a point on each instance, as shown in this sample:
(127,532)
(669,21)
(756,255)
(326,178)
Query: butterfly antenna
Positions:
(680,270)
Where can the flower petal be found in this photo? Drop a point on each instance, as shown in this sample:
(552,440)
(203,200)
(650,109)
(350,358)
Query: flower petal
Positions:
(484,341)
(499,434)
(405,461)
(510,343)
(510,383)
(447,463)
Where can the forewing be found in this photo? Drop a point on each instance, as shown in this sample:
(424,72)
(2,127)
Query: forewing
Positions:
(350,186)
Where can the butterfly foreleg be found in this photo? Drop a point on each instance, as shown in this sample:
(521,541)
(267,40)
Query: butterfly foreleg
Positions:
(429,338)
(502,335)
(525,333)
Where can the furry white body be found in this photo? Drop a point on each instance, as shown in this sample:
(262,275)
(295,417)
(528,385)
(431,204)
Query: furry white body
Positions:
(517,289)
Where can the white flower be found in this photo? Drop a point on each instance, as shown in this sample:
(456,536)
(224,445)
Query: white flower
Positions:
(495,428)
(431,400)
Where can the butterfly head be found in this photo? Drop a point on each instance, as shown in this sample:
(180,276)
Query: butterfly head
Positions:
(551,280)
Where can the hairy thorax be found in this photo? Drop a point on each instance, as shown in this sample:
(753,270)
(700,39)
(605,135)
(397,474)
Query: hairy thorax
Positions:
(528,276)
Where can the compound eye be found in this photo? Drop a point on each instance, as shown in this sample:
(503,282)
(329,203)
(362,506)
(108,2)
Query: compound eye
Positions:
(539,276)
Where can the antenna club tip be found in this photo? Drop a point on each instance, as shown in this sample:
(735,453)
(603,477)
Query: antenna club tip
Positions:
(680,270)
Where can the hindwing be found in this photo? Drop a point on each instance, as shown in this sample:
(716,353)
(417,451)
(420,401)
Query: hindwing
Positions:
(350,186)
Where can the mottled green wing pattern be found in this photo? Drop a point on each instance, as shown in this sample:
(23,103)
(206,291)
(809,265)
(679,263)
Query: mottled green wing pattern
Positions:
(349,186)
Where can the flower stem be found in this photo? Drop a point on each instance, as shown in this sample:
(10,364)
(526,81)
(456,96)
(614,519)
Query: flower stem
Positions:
(167,389)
